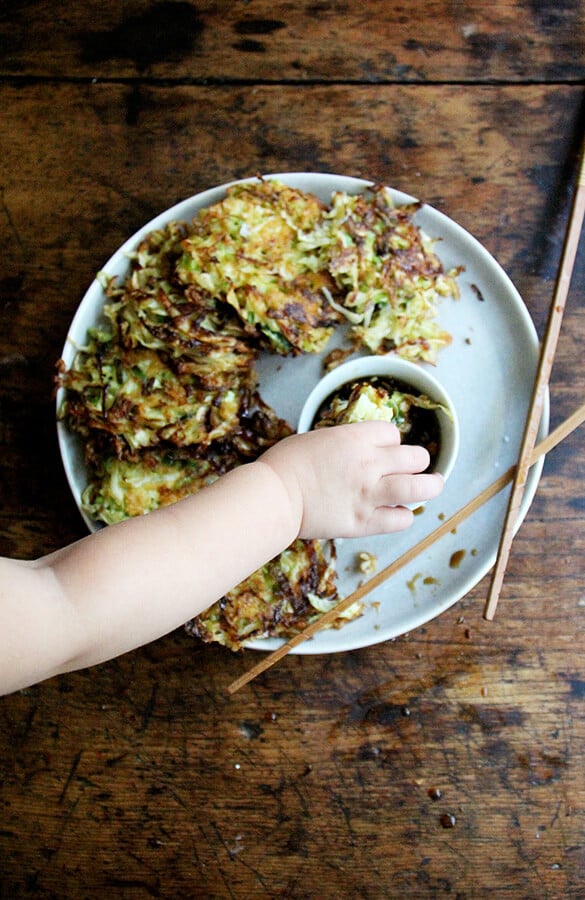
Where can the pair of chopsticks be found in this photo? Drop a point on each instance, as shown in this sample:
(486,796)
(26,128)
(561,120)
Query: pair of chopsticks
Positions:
(517,474)
(547,355)
(547,444)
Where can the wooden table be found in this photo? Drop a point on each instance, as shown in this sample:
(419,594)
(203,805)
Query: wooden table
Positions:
(450,760)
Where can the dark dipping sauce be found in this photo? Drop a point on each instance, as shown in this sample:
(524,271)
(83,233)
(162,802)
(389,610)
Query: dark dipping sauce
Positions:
(417,425)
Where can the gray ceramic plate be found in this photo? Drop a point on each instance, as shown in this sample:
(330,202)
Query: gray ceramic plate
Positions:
(488,370)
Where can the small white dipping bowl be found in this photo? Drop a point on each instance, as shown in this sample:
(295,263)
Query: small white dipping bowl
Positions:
(410,374)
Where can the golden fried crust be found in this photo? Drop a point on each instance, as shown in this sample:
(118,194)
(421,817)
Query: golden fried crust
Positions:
(276,601)
(204,341)
(389,275)
(248,250)
(140,401)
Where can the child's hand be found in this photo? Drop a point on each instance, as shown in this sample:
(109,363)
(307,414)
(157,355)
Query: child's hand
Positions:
(352,480)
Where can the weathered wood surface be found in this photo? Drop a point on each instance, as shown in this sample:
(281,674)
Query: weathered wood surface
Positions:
(329,776)
(373,41)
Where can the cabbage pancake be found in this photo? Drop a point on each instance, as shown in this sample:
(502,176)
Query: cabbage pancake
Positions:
(124,488)
(278,600)
(249,251)
(388,274)
(120,486)
(153,309)
(140,400)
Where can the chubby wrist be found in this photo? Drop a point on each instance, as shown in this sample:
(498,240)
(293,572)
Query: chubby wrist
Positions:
(282,494)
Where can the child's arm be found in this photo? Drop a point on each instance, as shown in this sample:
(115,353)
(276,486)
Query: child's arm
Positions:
(131,583)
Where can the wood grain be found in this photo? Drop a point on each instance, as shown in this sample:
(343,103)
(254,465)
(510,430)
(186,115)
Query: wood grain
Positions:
(332,776)
(322,41)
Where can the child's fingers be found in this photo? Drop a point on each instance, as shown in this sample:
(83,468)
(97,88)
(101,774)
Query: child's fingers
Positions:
(382,434)
(401,490)
(405,460)
(387,519)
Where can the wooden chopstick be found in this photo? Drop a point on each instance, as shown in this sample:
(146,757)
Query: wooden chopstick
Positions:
(547,444)
(547,355)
